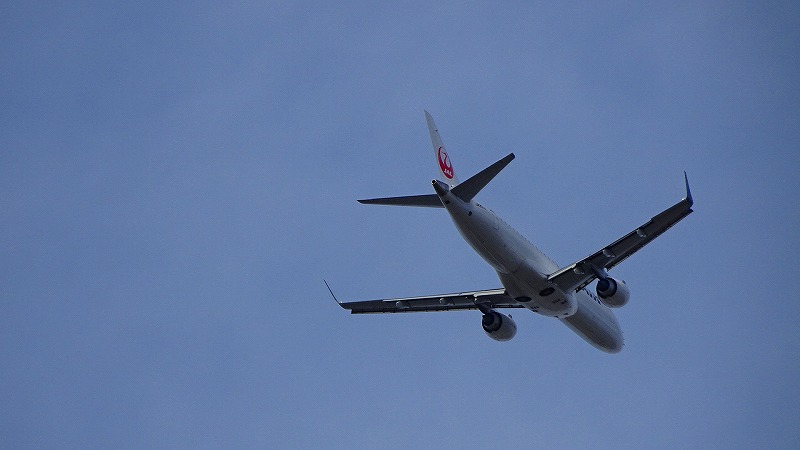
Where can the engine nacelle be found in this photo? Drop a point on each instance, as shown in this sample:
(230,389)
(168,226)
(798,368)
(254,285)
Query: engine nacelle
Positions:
(613,293)
(498,326)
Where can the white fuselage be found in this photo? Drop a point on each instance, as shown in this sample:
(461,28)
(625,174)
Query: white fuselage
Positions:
(523,270)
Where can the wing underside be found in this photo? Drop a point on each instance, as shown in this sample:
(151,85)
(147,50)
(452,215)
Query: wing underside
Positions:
(495,298)
(578,275)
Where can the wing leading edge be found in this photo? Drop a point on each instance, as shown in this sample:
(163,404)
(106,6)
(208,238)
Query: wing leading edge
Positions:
(494,298)
(578,275)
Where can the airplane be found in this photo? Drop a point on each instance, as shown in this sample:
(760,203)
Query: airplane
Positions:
(529,278)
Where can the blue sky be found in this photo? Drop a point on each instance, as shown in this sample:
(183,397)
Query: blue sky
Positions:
(176,180)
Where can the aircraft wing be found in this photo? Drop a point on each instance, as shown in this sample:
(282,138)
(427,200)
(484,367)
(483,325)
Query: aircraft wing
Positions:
(495,298)
(578,275)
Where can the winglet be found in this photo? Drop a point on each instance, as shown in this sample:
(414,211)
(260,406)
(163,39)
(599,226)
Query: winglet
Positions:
(332,294)
(688,191)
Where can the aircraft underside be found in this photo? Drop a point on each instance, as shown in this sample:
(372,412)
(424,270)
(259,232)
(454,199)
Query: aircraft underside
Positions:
(530,279)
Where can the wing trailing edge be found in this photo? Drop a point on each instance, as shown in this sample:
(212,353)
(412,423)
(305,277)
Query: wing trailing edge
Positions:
(487,299)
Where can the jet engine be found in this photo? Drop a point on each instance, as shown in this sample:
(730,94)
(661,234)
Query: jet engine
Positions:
(498,326)
(613,293)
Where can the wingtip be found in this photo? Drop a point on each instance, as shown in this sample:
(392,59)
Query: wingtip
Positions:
(332,294)
(688,191)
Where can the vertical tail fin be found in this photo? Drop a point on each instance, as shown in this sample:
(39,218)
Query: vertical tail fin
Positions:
(443,163)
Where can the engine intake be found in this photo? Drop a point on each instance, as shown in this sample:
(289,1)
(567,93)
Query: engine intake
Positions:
(613,293)
(499,327)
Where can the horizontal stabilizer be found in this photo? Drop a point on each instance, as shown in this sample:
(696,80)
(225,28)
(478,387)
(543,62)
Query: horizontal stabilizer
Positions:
(470,188)
(427,201)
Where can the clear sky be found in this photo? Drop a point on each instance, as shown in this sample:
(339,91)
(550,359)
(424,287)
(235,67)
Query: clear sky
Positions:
(176,180)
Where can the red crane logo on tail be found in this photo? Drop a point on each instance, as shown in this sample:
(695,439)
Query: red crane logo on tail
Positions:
(444,163)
